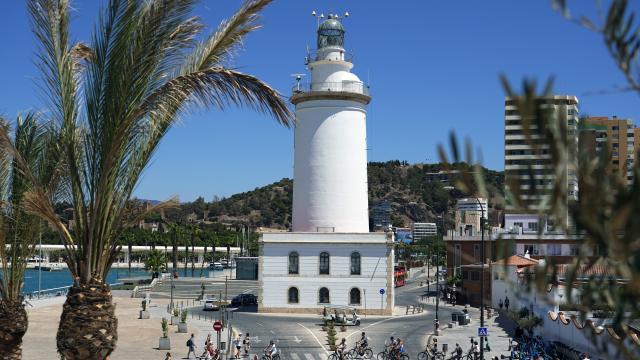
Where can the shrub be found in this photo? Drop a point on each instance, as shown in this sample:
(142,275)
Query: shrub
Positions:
(183,316)
(165,327)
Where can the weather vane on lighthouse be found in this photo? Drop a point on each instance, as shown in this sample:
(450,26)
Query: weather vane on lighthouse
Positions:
(331,16)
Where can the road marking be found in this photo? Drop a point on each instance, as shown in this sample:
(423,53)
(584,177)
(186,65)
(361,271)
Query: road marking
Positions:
(297,340)
(315,337)
(368,326)
(295,356)
(273,332)
(309,356)
(259,324)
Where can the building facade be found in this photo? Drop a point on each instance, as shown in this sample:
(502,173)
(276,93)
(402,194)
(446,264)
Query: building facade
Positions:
(329,258)
(421,231)
(468,214)
(620,135)
(520,157)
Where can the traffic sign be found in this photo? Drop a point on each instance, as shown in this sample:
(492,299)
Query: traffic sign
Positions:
(381,291)
(217,326)
(483,332)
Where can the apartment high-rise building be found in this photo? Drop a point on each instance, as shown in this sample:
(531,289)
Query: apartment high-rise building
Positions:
(522,160)
(620,135)
(423,230)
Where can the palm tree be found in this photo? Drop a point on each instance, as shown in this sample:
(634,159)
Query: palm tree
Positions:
(154,263)
(114,100)
(32,152)
(195,233)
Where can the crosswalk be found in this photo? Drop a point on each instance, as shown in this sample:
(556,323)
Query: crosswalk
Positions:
(284,355)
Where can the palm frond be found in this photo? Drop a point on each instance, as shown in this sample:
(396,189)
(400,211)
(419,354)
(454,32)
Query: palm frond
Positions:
(223,43)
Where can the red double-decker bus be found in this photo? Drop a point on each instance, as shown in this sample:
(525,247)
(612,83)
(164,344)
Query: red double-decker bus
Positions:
(399,275)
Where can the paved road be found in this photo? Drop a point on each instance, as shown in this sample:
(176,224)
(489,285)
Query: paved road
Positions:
(300,336)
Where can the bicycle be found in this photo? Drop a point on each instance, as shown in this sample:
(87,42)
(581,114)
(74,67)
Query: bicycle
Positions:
(367,353)
(275,356)
(336,356)
(429,355)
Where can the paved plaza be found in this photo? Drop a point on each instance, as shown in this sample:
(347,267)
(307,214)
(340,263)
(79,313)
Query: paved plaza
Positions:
(299,337)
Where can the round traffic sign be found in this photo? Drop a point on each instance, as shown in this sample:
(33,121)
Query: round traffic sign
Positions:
(381,291)
(217,326)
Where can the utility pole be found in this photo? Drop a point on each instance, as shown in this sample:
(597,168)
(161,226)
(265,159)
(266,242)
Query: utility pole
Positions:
(481,276)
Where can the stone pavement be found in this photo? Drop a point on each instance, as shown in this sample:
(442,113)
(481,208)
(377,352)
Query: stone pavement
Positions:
(497,327)
(137,339)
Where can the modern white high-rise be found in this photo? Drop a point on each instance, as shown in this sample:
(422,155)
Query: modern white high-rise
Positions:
(329,258)
(532,166)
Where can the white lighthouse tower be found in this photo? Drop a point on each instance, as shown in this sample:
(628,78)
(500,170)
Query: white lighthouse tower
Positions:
(330,165)
(330,257)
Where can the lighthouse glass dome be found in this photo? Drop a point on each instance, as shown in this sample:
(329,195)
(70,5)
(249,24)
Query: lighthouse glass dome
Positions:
(330,33)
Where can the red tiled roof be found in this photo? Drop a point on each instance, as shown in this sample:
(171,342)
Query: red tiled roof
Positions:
(517,260)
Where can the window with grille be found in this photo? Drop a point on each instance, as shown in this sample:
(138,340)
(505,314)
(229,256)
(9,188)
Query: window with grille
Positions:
(324,263)
(355,263)
(354,296)
(293,295)
(323,295)
(294,263)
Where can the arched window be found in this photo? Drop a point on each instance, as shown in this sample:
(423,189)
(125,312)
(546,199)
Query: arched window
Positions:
(355,263)
(293,295)
(354,296)
(294,263)
(324,263)
(323,295)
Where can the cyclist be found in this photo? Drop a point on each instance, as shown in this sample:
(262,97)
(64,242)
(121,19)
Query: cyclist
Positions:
(457,352)
(362,344)
(476,350)
(341,348)
(270,350)
(391,343)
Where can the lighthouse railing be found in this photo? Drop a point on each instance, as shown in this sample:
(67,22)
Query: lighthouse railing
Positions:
(356,87)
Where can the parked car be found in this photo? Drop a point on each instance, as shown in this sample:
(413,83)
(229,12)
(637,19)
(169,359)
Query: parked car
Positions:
(244,299)
(216,266)
(211,304)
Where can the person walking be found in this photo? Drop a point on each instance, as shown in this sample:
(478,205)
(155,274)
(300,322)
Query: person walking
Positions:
(500,304)
(236,344)
(506,303)
(247,344)
(191,344)
(168,356)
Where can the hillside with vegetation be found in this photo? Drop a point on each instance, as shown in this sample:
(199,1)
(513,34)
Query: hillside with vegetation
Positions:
(415,192)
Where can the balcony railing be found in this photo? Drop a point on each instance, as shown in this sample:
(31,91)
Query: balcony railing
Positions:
(355,87)
(313,56)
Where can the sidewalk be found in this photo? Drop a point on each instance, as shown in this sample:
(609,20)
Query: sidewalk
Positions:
(498,328)
(137,339)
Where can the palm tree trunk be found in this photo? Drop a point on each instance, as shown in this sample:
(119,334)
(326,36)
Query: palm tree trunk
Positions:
(88,325)
(130,253)
(13,326)
(204,258)
(174,255)
(193,252)
(186,259)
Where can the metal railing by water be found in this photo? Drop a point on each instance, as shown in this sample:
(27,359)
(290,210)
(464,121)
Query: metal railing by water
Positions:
(355,87)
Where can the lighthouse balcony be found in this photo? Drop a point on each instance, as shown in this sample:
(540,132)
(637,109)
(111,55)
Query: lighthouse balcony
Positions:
(348,90)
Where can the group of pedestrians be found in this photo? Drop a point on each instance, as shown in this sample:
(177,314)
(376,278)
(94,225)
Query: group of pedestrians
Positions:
(210,351)
(504,303)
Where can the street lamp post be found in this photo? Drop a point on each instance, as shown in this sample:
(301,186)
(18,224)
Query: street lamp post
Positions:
(481,276)
(437,321)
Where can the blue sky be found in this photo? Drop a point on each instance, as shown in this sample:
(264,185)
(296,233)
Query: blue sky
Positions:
(433,67)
